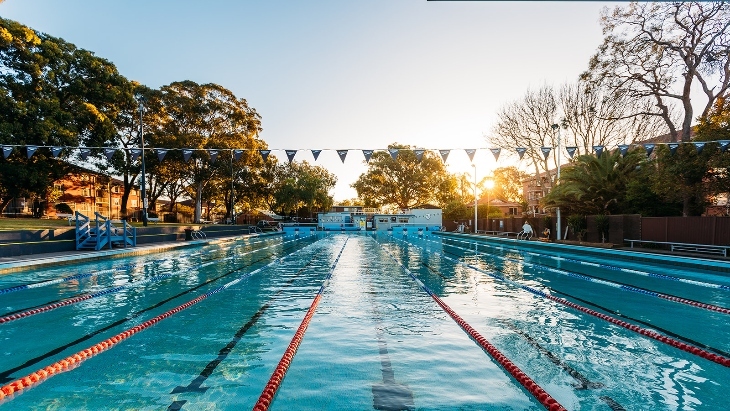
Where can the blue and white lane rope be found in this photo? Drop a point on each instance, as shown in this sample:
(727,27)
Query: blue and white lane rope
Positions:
(612,284)
(600,265)
(717,358)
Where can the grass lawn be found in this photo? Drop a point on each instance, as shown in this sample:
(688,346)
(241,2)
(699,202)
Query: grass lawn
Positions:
(9,224)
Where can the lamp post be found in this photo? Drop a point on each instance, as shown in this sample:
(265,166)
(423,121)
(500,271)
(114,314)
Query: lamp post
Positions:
(141,140)
(475,197)
(557,180)
(489,184)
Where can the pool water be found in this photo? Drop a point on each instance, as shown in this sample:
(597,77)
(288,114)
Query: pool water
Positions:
(377,339)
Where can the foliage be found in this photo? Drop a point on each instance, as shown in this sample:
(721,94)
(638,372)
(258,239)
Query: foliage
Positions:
(508,184)
(577,224)
(63,208)
(404,182)
(683,177)
(602,223)
(297,185)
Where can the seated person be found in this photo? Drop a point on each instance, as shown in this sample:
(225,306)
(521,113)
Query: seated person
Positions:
(546,234)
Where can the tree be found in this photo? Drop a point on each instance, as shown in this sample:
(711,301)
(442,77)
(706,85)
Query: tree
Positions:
(656,51)
(508,184)
(403,182)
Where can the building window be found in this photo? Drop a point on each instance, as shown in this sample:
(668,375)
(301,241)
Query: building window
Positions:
(115,201)
(513,211)
(85,192)
(134,203)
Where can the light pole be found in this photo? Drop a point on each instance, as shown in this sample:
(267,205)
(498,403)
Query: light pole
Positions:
(557,180)
(475,197)
(141,140)
(489,184)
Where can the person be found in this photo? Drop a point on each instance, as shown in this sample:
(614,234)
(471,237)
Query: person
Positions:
(526,230)
(546,233)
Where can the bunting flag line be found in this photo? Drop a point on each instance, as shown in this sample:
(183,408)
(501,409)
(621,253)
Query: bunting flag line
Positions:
(571,150)
(342,154)
(135,152)
(29,150)
(624,148)
(161,153)
(699,147)
(495,153)
(84,153)
(186,154)
(521,151)
(213,153)
(649,148)
(723,145)
(315,154)
(470,152)
(419,154)
(290,154)
(367,154)
(7,150)
(673,147)
(546,151)
(393,153)
(444,154)
(264,154)
(237,154)
(109,153)
(598,150)
(56,151)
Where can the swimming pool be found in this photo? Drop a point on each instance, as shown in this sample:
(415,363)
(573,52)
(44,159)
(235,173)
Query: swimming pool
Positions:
(415,321)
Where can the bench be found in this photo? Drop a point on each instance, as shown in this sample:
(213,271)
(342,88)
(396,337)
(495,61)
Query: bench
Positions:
(686,247)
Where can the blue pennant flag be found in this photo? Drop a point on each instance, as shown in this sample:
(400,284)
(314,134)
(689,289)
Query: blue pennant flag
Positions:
(545,151)
(723,145)
(598,150)
(237,154)
(521,151)
(444,154)
(290,154)
(7,150)
(109,153)
(213,153)
(571,150)
(419,154)
(315,154)
(623,148)
(264,154)
(56,151)
(84,153)
(673,147)
(29,150)
(342,154)
(187,153)
(495,153)
(699,147)
(367,154)
(135,153)
(393,153)
(161,153)
(649,148)
(470,152)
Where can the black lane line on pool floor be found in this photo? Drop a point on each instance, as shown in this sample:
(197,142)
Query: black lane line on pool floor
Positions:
(618,314)
(6,376)
(195,385)
(388,395)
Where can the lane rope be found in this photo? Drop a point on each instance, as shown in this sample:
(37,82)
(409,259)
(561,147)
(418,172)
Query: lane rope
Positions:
(523,379)
(73,361)
(270,389)
(720,359)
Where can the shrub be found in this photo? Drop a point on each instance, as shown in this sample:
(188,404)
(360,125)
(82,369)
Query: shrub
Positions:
(63,208)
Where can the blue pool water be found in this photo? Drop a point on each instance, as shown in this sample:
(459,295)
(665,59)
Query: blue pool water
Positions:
(377,339)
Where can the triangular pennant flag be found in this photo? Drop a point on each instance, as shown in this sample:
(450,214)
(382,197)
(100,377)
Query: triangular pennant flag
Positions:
(545,151)
(624,148)
(571,150)
(84,153)
(161,153)
(342,154)
(470,152)
(444,154)
(521,151)
(290,154)
(598,150)
(315,154)
(213,155)
(495,153)
(109,153)
(367,154)
(264,154)
(699,147)
(56,151)
(135,153)
(649,148)
(393,153)
(673,147)
(237,154)
(7,150)
(419,154)
(186,154)
(30,150)
(723,145)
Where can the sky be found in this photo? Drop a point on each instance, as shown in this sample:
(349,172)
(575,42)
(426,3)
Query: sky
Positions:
(343,74)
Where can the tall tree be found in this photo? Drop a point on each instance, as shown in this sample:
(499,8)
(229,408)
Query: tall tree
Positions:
(656,50)
(508,184)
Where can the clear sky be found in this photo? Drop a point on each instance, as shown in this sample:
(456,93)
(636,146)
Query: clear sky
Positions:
(342,74)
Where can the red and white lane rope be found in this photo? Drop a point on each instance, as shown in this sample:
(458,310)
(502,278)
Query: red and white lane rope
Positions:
(267,395)
(528,383)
